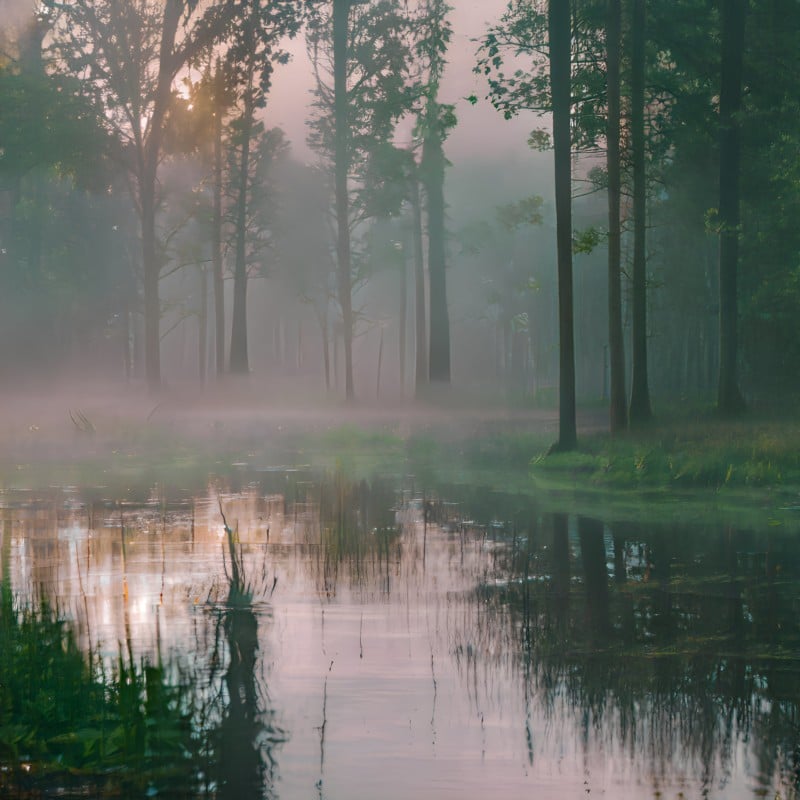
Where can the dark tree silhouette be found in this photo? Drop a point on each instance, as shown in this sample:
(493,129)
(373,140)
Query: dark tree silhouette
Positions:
(729,398)
(640,393)
(560,38)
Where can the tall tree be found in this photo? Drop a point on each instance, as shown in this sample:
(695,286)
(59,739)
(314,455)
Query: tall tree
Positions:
(130,55)
(341,123)
(420,325)
(255,48)
(618,415)
(217,264)
(434,122)
(729,398)
(239,363)
(61,210)
(560,34)
(361,56)
(563,46)
(255,152)
(640,393)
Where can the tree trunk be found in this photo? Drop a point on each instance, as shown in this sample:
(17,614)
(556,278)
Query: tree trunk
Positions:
(380,362)
(729,398)
(151,269)
(618,413)
(640,393)
(202,326)
(341,13)
(149,155)
(560,38)
(439,346)
(420,327)
(322,318)
(216,236)
(239,362)
(403,320)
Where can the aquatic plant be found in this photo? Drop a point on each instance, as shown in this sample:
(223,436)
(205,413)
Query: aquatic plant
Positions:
(71,722)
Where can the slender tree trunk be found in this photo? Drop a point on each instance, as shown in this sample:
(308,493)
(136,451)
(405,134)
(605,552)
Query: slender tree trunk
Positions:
(216,236)
(380,362)
(326,347)
(239,362)
(151,270)
(640,393)
(202,326)
(126,343)
(341,13)
(335,342)
(420,327)
(299,355)
(147,171)
(560,39)
(729,398)
(403,321)
(618,413)
(439,345)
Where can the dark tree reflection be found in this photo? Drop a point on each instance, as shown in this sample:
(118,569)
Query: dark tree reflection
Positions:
(675,644)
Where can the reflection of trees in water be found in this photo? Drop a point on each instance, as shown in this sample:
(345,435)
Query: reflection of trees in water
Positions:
(673,644)
(358,532)
(676,645)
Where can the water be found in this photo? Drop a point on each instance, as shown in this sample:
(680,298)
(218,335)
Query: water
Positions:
(382,638)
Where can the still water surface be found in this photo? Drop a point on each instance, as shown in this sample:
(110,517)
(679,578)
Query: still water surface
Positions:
(381,639)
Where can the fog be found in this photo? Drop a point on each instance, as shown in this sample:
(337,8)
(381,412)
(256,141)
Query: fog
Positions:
(75,298)
(305,309)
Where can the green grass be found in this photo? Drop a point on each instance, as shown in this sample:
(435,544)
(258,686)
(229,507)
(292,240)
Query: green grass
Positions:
(685,464)
(706,454)
(67,719)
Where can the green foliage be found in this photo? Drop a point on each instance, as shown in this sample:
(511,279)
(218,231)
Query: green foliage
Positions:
(540,140)
(513,58)
(268,150)
(45,123)
(587,240)
(378,79)
(527,211)
(433,33)
(116,728)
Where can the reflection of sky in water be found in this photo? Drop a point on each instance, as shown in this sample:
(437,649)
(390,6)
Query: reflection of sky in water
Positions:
(390,679)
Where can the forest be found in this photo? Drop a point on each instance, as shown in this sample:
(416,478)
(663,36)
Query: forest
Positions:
(157,228)
(398,399)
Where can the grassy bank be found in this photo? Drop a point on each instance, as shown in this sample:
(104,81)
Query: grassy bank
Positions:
(747,466)
(699,453)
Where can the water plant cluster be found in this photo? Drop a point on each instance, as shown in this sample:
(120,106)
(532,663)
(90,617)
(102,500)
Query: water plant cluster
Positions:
(73,723)
(77,724)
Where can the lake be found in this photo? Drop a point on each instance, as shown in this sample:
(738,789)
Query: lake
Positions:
(296,632)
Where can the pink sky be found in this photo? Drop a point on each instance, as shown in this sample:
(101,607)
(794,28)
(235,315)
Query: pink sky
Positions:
(481,130)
